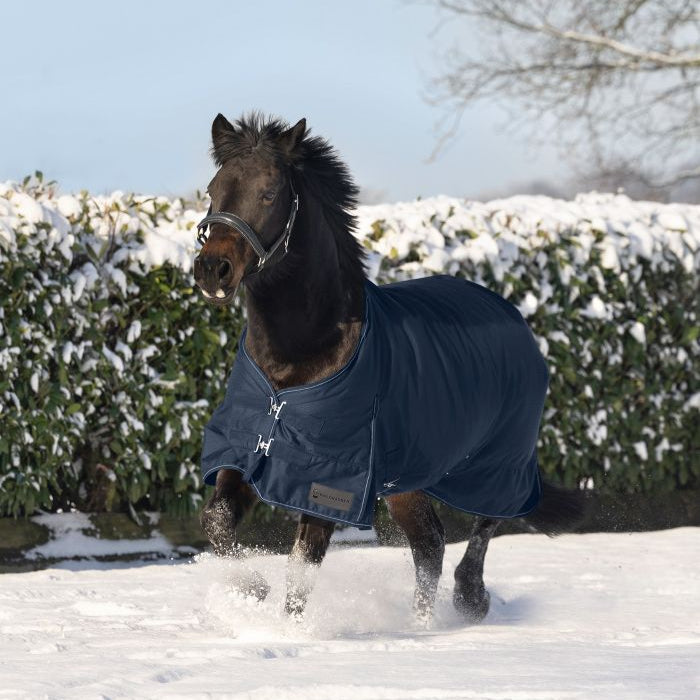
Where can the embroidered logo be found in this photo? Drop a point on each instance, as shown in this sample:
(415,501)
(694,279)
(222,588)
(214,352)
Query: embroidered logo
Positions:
(332,498)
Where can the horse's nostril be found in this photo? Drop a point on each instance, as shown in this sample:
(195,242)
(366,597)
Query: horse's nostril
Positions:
(224,269)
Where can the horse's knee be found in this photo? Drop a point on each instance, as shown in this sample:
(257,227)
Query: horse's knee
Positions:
(415,515)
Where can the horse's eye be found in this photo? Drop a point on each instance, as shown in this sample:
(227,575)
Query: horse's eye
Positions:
(269,196)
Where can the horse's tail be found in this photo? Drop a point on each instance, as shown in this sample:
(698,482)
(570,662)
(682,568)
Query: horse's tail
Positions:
(560,510)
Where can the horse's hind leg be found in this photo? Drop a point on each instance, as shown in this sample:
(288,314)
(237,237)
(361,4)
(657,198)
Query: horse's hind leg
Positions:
(470,596)
(310,546)
(414,514)
(231,500)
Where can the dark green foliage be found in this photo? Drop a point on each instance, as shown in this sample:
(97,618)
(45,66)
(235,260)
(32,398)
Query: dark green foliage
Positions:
(110,364)
(69,408)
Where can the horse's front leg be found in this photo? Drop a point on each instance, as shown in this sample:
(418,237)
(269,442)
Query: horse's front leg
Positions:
(414,514)
(312,540)
(470,595)
(231,500)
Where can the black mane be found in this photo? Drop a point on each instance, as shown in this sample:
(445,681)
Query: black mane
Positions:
(252,132)
(317,172)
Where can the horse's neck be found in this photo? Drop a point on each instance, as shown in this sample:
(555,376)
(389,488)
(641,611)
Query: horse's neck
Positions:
(299,325)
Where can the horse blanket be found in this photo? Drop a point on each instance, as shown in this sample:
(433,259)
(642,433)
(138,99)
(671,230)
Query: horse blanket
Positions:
(444,393)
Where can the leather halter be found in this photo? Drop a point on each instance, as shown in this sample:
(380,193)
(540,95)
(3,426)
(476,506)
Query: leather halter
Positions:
(246,230)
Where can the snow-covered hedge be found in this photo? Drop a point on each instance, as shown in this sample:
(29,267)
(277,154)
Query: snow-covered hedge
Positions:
(110,362)
(107,354)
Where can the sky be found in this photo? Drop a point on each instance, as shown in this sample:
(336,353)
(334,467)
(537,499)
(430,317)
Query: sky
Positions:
(105,96)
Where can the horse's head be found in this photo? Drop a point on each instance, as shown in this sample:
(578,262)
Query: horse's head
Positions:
(252,205)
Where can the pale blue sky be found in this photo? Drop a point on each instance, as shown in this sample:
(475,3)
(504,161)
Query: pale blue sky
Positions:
(122,95)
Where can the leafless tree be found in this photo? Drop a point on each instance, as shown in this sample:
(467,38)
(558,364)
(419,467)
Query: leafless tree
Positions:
(618,81)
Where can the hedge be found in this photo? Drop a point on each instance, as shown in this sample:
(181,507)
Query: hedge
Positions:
(111,362)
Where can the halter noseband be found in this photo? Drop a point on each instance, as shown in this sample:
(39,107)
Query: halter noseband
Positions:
(246,230)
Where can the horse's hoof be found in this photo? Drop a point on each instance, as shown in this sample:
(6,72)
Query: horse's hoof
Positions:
(294,606)
(423,617)
(472,604)
(423,608)
(294,610)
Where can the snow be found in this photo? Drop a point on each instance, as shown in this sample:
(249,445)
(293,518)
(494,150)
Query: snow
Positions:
(495,231)
(596,308)
(559,337)
(444,232)
(529,305)
(114,359)
(598,615)
(638,333)
(692,402)
(641,449)
(353,534)
(134,331)
(70,534)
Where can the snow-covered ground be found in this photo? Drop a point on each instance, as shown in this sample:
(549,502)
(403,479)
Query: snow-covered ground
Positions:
(583,616)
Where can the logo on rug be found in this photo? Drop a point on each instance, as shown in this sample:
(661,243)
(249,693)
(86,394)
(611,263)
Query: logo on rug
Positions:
(332,498)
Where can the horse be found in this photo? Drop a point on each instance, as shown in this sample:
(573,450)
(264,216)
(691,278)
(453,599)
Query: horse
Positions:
(280,226)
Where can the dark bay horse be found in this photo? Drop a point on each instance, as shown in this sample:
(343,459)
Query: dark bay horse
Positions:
(281,226)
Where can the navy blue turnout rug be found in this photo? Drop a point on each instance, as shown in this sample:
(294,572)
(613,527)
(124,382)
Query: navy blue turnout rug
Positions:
(444,393)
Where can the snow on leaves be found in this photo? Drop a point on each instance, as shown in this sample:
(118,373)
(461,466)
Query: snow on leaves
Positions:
(109,356)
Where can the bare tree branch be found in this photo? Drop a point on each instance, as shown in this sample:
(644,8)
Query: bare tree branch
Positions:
(641,55)
(661,59)
(619,80)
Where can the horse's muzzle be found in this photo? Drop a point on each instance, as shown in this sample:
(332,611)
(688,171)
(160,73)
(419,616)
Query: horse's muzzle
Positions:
(214,275)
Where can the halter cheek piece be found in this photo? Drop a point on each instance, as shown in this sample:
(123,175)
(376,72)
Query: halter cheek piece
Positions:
(246,230)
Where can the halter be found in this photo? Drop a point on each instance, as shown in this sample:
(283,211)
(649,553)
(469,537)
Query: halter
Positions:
(246,230)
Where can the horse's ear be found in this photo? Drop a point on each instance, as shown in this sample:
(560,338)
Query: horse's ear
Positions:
(222,134)
(220,127)
(290,139)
